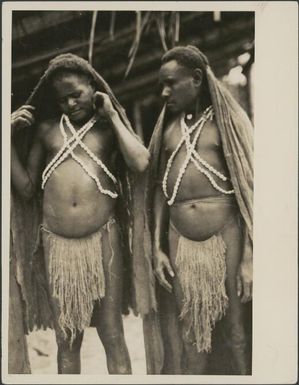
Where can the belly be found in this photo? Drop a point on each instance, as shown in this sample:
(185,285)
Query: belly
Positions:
(73,206)
(200,219)
(194,184)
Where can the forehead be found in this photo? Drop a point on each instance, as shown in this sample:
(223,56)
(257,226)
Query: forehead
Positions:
(174,69)
(69,79)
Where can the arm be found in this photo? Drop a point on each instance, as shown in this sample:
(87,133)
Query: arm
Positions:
(161,260)
(25,179)
(135,154)
(244,277)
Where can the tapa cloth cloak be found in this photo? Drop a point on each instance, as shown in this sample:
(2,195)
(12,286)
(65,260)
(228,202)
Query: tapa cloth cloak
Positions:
(26,216)
(161,331)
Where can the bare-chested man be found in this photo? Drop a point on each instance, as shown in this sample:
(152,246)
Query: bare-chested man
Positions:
(205,177)
(75,152)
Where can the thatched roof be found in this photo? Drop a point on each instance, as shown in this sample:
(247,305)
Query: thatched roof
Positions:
(38,36)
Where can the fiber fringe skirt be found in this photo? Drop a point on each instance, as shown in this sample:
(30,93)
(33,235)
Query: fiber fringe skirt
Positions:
(76,276)
(201,269)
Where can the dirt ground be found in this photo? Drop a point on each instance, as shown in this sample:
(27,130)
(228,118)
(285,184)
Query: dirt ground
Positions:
(42,350)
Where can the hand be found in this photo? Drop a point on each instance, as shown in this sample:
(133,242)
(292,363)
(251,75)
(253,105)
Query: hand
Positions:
(161,262)
(244,280)
(21,118)
(103,104)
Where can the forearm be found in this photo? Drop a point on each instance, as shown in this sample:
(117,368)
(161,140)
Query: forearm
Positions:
(135,154)
(19,176)
(160,218)
(247,246)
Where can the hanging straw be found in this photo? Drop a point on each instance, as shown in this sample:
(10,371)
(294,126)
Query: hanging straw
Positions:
(112,25)
(160,20)
(174,28)
(177,27)
(91,38)
(140,25)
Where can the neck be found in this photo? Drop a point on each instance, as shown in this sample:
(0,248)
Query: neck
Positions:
(79,123)
(198,107)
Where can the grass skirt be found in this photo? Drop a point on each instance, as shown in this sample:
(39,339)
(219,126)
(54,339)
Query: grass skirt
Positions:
(76,277)
(202,271)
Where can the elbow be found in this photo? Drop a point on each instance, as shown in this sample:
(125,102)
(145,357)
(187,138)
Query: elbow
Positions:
(26,193)
(142,162)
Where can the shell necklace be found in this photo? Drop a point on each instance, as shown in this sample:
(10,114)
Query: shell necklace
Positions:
(193,156)
(68,150)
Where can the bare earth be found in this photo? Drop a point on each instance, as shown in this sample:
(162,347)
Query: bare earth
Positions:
(42,350)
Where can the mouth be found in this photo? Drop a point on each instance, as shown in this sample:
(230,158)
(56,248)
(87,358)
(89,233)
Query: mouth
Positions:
(75,112)
(170,105)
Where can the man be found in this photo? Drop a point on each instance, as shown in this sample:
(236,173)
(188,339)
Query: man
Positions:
(80,133)
(201,153)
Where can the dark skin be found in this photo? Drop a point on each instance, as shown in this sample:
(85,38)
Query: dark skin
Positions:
(73,206)
(182,92)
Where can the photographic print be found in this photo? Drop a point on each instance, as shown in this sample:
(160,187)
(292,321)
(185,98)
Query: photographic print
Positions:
(133,228)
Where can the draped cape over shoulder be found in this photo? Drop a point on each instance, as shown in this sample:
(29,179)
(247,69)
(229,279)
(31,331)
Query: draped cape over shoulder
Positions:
(162,344)
(26,251)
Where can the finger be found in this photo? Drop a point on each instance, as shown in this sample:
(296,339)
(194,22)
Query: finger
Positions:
(98,100)
(25,121)
(239,286)
(246,293)
(163,281)
(166,285)
(100,93)
(27,106)
(169,268)
(28,115)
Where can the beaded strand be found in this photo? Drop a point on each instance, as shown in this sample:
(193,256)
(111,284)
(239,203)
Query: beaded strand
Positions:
(67,149)
(193,156)
(52,164)
(89,152)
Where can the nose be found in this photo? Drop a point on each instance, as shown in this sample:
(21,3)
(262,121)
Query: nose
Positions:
(165,92)
(71,102)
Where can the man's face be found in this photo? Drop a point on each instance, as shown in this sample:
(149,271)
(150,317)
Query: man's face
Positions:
(74,95)
(179,87)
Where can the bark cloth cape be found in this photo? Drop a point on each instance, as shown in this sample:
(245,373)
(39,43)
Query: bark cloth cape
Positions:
(160,319)
(26,216)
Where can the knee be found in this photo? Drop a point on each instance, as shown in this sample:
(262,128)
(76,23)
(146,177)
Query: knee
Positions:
(112,339)
(65,345)
(188,336)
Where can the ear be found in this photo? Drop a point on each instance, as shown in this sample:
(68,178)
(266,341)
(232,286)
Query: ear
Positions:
(92,84)
(197,76)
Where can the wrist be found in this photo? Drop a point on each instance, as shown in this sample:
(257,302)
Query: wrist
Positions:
(112,114)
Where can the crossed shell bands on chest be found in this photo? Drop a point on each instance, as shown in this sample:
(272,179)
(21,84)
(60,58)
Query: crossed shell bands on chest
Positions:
(67,150)
(192,156)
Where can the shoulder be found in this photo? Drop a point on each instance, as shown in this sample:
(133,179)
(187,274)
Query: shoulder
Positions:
(102,122)
(171,128)
(45,126)
(171,124)
(104,128)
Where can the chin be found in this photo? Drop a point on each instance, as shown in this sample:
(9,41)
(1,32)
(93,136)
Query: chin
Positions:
(174,110)
(80,117)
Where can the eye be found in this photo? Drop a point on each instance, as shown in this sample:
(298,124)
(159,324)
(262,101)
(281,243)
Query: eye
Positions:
(61,100)
(76,94)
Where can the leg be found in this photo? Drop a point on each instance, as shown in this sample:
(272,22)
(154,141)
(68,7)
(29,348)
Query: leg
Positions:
(68,356)
(109,317)
(18,361)
(234,318)
(196,363)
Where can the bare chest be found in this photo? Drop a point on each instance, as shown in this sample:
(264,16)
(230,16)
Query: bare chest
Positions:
(207,140)
(99,140)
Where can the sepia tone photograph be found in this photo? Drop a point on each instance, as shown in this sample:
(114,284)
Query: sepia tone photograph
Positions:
(131,230)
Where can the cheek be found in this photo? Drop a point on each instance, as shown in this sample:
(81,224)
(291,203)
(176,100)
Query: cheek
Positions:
(62,107)
(183,92)
(87,98)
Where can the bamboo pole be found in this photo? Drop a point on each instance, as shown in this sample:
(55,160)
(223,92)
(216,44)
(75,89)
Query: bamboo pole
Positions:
(91,38)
